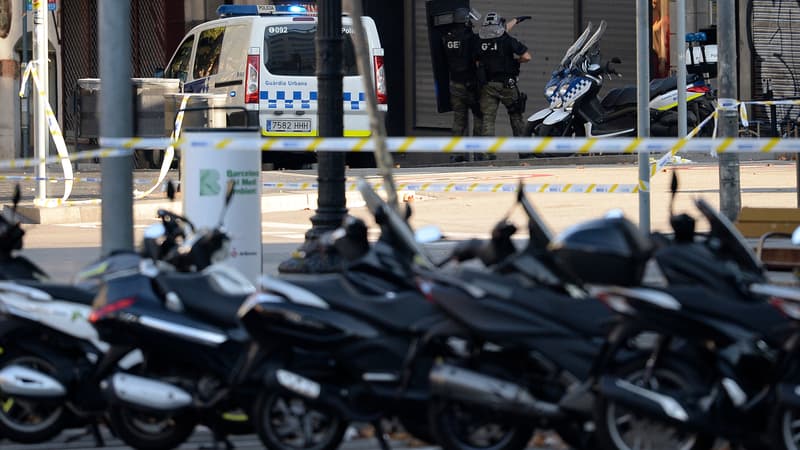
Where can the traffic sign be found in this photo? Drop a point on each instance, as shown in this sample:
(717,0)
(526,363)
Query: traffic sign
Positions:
(51,5)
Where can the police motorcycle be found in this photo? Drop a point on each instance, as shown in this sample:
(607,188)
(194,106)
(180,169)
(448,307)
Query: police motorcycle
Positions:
(735,374)
(577,108)
(198,364)
(356,346)
(561,74)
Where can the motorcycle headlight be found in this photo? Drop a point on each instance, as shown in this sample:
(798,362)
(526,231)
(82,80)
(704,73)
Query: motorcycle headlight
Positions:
(556,102)
(548,93)
(562,91)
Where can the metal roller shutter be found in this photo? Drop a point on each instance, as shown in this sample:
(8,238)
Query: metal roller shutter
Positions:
(547,36)
(619,38)
(774,29)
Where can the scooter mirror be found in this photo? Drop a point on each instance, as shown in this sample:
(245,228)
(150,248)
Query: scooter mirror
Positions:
(796,236)
(428,234)
(229,192)
(154,231)
(17,196)
(673,189)
(170,190)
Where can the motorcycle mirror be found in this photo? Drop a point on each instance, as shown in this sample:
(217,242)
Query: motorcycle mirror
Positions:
(428,234)
(170,190)
(796,236)
(616,60)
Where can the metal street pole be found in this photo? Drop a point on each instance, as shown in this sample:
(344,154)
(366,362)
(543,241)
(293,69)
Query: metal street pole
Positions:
(730,196)
(41,139)
(116,120)
(330,170)
(681,44)
(25,105)
(643,108)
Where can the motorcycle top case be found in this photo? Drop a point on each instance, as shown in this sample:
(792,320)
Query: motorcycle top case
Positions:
(609,251)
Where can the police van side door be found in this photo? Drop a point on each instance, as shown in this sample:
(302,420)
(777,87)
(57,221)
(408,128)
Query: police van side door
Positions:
(229,78)
(206,59)
(181,61)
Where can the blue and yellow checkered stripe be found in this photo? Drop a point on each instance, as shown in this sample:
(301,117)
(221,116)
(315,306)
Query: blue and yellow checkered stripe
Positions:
(354,101)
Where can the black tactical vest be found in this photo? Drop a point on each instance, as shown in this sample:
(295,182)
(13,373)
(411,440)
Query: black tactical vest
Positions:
(497,58)
(459,55)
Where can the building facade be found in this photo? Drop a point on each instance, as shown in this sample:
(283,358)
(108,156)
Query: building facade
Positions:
(769,51)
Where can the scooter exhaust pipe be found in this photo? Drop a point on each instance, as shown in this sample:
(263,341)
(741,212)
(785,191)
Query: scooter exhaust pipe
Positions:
(24,382)
(473,387)
(145,393)
(642,399)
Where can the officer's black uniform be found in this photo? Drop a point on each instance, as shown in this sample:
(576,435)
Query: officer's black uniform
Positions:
(460,47)
(501,69)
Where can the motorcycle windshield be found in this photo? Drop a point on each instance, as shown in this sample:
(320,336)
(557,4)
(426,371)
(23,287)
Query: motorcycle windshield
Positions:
(590,44)
(731,239)
(577,45)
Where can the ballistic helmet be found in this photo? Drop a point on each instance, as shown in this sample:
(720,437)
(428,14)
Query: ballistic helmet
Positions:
(493,26)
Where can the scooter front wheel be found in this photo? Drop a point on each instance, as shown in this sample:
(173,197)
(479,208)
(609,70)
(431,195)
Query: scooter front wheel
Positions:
(461,426)
(151,430)
(285,421)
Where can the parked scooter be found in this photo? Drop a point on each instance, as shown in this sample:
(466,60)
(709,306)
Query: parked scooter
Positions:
(533,335)
(199,365)
(46,341)
(357,346)
(578,110)
(53,359)
(734,376)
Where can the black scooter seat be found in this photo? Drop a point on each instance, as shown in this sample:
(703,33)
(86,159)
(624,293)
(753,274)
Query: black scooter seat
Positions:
(202,298)
(625,96)
(62,292)
(588,317)
(759,317)
(399,311)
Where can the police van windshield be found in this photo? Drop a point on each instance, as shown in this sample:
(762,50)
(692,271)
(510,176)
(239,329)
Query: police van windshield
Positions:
(290,49)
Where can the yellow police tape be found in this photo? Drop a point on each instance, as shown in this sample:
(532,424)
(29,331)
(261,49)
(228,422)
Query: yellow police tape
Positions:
(52,124)
(537,145)
(548,188)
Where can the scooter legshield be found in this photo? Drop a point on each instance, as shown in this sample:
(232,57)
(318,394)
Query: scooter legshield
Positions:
(540,115)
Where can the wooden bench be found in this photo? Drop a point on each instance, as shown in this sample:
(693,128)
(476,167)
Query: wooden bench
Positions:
(772,228)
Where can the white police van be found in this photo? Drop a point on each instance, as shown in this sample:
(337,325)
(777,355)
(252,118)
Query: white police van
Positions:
(263,58)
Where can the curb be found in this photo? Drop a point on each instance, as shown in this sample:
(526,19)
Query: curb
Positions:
(144,210)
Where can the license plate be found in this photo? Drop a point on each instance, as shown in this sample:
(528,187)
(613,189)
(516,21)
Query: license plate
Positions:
(289,126)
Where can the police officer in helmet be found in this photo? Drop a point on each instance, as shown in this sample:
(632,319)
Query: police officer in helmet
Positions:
(460,45)
(499,59)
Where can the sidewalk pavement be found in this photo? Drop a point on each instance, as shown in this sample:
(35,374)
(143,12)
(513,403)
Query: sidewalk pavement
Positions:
(591,169)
